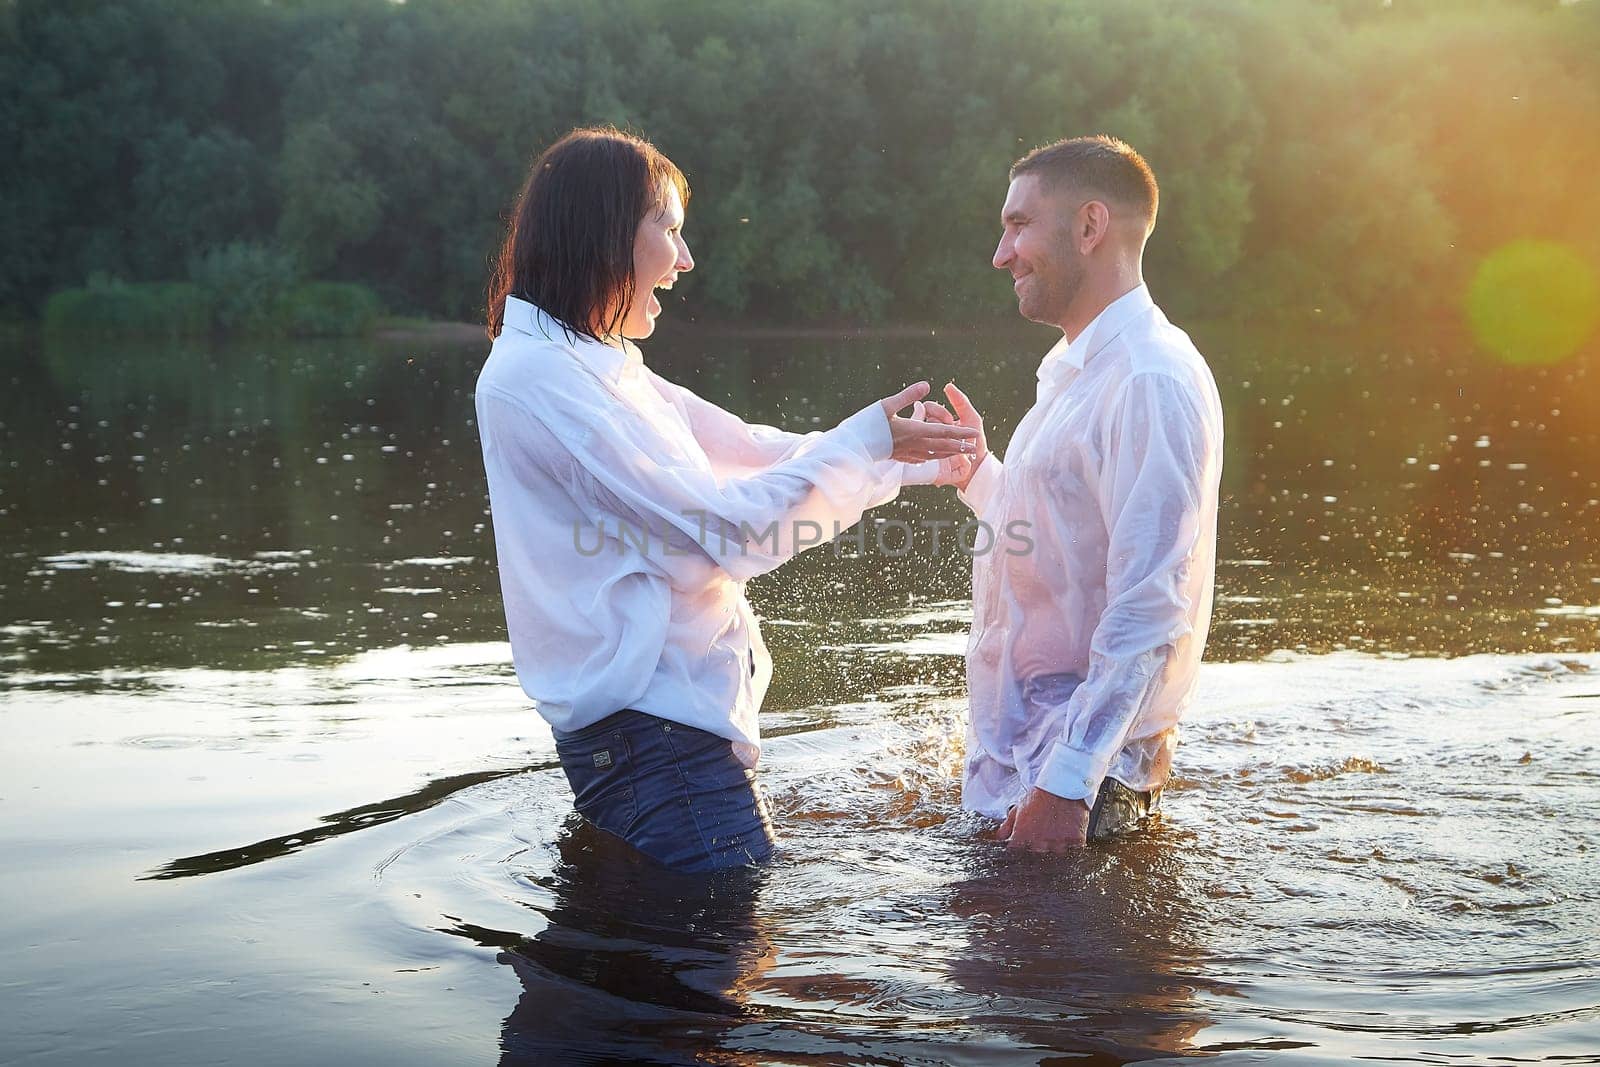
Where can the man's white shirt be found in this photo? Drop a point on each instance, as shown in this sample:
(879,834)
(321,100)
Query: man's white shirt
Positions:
(628,515)
(1085,649)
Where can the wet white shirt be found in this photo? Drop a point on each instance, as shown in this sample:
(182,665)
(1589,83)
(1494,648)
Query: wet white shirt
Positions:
(1085,649)
(628,514)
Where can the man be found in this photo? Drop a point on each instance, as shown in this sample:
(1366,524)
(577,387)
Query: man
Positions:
(1084,651)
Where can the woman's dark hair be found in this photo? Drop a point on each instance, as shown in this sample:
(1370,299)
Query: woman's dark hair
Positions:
(570,245)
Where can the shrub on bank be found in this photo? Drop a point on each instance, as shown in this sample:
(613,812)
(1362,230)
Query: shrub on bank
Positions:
(246,283)
(107,306)
(190,309)
(328,309)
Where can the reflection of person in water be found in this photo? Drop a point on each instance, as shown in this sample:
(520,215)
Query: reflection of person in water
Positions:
(1092,954)
(637,964)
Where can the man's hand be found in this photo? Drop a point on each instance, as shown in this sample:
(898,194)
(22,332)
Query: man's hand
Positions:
(916,439)
(1044,822)
(958,470)
(953,470)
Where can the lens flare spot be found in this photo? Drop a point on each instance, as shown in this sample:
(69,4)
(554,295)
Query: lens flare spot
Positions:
(1533,302)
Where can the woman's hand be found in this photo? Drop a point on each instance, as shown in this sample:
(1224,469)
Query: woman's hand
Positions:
(953,470)
(916,440)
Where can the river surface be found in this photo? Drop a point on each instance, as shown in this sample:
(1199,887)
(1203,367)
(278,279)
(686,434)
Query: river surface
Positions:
(269,792)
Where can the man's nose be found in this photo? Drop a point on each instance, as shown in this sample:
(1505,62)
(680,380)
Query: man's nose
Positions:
(685,260)
(1002,254)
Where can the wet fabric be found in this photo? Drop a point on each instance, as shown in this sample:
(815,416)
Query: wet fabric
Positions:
(1119,809)
(1086,646)
(678,794)
(628,515)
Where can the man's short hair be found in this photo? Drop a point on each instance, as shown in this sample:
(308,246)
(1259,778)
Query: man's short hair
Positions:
(1099,167)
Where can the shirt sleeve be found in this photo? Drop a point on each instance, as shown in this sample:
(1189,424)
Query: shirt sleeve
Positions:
(1157,481)
(984,485)
(734,445)
(750,519)
(924,473)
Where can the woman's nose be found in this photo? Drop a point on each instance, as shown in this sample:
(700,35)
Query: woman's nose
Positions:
(685,260)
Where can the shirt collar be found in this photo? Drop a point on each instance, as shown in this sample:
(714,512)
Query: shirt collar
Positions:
(1101,331)
(530,318)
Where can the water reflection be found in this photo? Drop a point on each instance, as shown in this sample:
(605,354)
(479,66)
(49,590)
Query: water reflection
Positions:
(1096,954)
(339,823)
(1095,957)
(248,588)
(239,507)
(1366,857)
(635,964)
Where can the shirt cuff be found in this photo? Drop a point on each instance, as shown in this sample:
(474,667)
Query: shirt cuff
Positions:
(981,488)
(1071,773)
(869,429)
(924,473)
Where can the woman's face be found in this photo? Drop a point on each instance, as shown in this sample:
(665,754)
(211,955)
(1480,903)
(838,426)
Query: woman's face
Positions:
(659,256)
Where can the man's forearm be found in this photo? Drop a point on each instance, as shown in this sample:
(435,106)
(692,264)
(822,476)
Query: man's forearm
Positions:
(1101,715)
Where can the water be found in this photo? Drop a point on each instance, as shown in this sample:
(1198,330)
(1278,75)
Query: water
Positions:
(269,793)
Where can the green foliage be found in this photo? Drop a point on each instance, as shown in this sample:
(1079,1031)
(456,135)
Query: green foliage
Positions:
(132,135)
(1337,160)
(245,283)
(239,289)
(113,308)
(328,309)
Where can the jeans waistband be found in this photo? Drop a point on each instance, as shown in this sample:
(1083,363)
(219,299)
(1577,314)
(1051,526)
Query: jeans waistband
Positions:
(626,719)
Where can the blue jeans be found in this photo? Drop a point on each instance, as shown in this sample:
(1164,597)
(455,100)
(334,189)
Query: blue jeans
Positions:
(675,793)
(1117,809)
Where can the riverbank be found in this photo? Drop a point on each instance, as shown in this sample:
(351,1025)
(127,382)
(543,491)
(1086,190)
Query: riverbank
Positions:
(239,292)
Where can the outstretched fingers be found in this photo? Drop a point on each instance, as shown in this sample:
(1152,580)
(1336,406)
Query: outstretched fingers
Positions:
(941,440)
(931,433)
(964,409)
(906,397)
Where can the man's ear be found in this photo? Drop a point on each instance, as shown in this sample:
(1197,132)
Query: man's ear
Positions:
(1092,225)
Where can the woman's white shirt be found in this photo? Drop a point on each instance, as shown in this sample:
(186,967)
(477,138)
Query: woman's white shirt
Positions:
(628,515)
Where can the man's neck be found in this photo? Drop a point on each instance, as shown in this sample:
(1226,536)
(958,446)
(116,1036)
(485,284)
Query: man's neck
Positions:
(1095,298)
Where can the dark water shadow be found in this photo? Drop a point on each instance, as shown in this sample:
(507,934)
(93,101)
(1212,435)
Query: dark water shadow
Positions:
(635,964)
(339,823)
(1092,957)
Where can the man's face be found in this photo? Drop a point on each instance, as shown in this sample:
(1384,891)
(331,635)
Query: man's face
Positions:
(1037,249)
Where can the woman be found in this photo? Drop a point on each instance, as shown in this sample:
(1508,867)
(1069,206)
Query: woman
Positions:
(628,512)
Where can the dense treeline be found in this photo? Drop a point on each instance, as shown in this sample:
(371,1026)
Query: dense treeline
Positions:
(1344,159)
